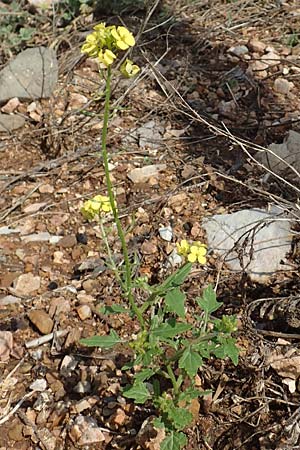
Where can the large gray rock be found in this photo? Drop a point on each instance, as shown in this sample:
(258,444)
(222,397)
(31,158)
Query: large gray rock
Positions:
(252,240)
(278,157)
(10,122)
(32,74)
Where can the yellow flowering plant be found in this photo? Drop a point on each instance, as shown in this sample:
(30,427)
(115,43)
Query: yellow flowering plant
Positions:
(167,350)
(105,42)
(195,252)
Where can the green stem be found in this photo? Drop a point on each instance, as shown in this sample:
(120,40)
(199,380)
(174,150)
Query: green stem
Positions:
(110,256)
(173,379)
(128,273)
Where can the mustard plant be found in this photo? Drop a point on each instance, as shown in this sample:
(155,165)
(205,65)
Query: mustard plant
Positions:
(167,351)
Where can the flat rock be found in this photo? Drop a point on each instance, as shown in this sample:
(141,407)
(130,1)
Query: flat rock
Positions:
(142,174)
(26,284)
(150,134)
(10,122)
(289,154)
(252,240)
(41,320)
(32,74)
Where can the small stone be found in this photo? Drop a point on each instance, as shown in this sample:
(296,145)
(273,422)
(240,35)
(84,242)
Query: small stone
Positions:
(54,239)
(174,259)
(239,50)
(118,418)
(39,385)
(282,86)
(52,285)
(68,365)
(259,66)
(34,207)
(271,59)
(73,337)
(89,285)
(81,406)
(141,175)
(84,312)
(6,345)
(76,100)
(256,46)
(11,105)
(166,233)
(46,189)
(82,238)
(148,248)
(85,431)
(67,241)
(83,387)
(58,306)
(26,284)
(58,258)
(41,320)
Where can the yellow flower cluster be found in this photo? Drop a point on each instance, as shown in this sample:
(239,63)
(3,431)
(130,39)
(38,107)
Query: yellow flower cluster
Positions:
(96,207)
(105,42)
(195,252)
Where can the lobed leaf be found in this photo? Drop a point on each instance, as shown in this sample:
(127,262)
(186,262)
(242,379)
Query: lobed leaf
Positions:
(208,301)
(190,361)
(175,299)
(138,392)
(174,441)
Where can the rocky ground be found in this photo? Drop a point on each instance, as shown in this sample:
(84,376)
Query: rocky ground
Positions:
(219,84)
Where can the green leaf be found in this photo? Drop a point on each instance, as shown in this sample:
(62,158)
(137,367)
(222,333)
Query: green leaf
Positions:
(227,348)
(144,374)
(176,279)
(208,301)
(190,361)
(138,392)
(175,302)
(102,341)
(113,309)
(174,441)
(170,329)
(180,417)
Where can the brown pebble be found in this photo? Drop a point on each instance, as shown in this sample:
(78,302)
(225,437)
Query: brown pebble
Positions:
(68,241)
(41,320)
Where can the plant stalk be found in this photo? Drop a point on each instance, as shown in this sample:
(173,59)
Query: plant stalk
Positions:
(128,275)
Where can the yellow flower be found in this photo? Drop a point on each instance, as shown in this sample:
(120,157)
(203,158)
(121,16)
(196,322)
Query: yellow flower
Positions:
(123,38)
(128,69)
(91,46)
(197,253)
(107,57)
(183,247)
(95,207)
